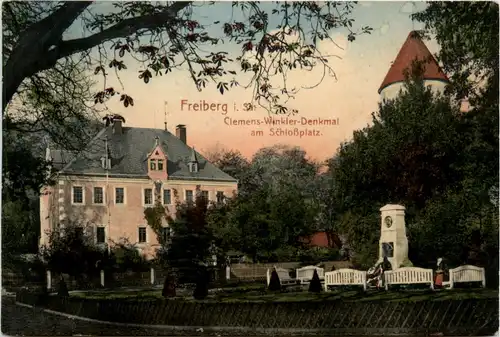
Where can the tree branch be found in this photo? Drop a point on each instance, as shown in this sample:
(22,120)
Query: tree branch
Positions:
(122,29)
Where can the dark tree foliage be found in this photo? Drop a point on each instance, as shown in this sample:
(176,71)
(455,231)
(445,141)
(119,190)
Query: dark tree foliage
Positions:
(72,252)
(190,248)
(315,284)
(420,152)
(467,33)
(274,282)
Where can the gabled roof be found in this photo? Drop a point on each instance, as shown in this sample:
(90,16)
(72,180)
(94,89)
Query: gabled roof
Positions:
(413,49)
(129,152)
(193,158)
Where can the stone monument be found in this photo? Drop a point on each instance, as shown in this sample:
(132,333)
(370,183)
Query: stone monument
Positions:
(393,241)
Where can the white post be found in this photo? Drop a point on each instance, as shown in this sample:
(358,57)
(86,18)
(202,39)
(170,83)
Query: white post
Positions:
(49,280)
(228,272)
(152,276)
(102,278)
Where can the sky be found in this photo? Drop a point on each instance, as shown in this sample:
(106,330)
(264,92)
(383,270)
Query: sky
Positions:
(350,98)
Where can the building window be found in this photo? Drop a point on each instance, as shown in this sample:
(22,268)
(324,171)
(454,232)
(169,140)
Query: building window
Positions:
(160,165)
(148,196)
(77,194)
(204,195)
(98,195)
(142,234)
(220,196)
(167,197)
(101,235)
(152,164)
(189,195)
(165,234)
(119,195)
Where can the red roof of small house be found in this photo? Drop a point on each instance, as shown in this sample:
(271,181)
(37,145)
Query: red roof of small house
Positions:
(413,49)
(320,239)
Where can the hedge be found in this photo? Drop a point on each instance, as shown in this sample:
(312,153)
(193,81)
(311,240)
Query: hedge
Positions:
(450,317)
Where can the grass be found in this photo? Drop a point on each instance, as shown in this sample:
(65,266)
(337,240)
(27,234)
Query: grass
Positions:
(258,294)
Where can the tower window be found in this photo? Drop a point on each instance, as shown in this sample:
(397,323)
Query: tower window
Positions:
(160,165)
(152,165)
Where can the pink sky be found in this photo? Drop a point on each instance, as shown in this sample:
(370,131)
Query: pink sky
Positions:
(351,98)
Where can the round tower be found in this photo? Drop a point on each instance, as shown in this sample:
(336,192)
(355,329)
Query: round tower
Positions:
(413,49)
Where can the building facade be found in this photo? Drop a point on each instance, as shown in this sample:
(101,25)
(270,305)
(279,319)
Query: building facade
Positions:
(105,189)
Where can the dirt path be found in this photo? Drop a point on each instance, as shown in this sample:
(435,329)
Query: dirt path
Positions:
(18,320)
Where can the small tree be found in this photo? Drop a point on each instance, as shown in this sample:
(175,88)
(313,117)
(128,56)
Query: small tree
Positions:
(70,251)
(62,291)
(168,286)
(125,256)
(274,282)
(201,289)
(315,284)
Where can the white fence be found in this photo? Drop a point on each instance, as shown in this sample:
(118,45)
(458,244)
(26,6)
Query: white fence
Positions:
(409,275)
(467,273)
(283,275)
(345,277)
(305,274)
(50,279)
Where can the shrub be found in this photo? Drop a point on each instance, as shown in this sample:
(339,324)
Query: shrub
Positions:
(315,284)
(201,289)
(168,286)
(63,288)
(274,282)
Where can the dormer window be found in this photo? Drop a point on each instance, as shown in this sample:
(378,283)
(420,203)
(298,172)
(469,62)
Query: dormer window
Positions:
(160,165)
(152,164)
(193,167)
(105,163)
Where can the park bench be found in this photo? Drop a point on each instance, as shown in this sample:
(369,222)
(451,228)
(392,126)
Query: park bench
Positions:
(305,274)
(284,276)
(466,274)
(345,277)
(407,276)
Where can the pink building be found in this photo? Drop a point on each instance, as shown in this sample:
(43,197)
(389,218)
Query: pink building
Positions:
(123,170)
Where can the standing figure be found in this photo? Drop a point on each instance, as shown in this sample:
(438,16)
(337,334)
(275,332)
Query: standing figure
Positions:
(385,265)
(438,281)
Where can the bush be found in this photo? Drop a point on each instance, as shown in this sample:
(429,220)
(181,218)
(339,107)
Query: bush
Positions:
(274,282)
(168,286)
(315,284)
(201,290)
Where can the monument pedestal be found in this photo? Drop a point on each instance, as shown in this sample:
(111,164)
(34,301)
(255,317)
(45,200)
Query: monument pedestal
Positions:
(393,242)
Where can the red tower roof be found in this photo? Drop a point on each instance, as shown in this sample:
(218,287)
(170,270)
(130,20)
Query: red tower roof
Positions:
(413,49)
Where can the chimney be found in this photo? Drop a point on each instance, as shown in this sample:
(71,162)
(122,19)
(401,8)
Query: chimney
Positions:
(180,132)
(117,126)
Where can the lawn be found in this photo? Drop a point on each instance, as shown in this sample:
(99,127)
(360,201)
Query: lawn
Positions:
(257,293)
